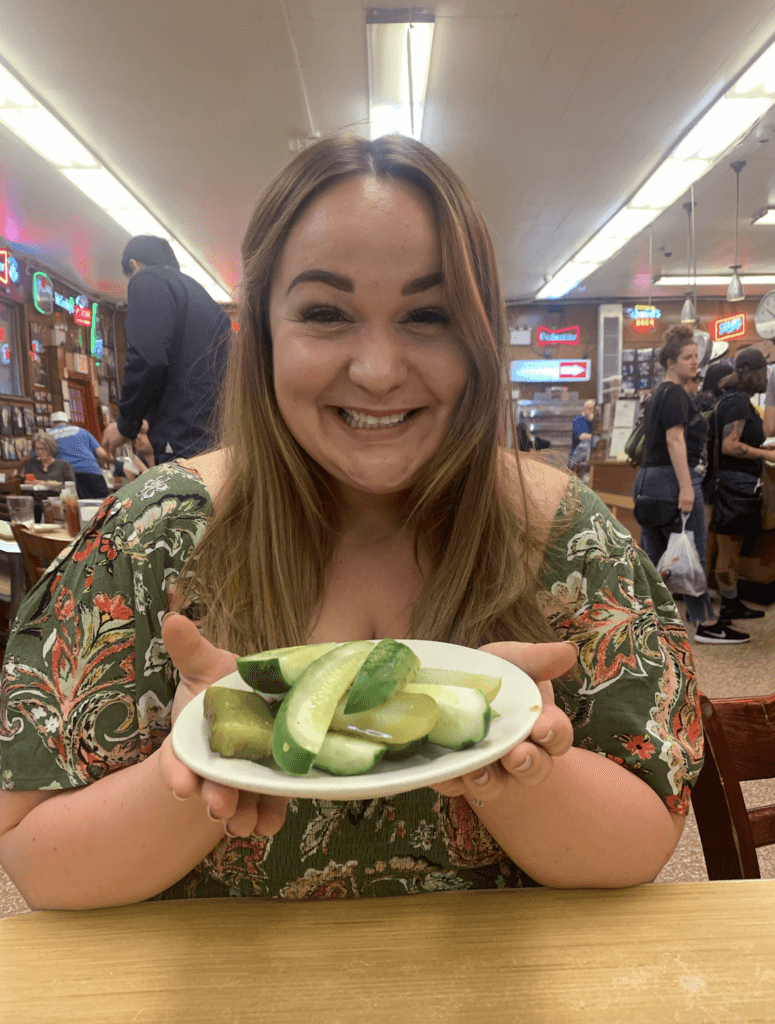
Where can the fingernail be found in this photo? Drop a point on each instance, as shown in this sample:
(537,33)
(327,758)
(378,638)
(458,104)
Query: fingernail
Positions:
(525,764)
(545,739)
(212,817)
(181,798)
(482,779)
(229,832)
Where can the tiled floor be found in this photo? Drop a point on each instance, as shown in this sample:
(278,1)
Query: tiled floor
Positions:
(736,671)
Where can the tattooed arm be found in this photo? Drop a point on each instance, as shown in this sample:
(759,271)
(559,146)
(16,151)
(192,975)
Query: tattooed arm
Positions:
(732,445)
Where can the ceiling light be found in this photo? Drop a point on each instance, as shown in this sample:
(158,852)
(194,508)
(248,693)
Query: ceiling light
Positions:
(710,280)
(567,278)
(726,121)
(42,130)
(688,312)
(398,43)
(765,217)
(735,292)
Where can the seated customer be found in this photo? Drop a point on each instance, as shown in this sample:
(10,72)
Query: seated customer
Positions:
(45,466)
(78,447)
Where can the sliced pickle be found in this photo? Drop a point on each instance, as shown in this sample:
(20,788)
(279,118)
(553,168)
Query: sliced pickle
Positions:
(402,719)
(239,723)
(402,751)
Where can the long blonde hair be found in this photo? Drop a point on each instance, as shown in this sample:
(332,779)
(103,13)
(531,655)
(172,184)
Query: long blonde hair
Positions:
(260,569)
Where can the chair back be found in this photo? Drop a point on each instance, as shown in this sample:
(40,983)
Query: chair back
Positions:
(739,747)
(37,551)
(6,488)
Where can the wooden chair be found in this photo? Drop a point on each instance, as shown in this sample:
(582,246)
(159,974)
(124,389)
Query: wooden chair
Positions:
(37,551)
(739,747)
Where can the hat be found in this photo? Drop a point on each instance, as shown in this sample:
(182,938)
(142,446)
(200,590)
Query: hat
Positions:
(750,359)
(60,417)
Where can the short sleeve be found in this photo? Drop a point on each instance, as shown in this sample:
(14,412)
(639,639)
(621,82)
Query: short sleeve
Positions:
(87,686)
(636,701)
(674,408)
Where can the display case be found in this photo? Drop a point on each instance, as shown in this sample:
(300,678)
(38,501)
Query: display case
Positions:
(549,415)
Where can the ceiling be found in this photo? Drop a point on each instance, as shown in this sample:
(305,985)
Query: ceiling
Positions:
(552,111)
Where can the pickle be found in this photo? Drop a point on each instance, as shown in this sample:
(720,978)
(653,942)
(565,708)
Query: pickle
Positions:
(402,719)
(239,723)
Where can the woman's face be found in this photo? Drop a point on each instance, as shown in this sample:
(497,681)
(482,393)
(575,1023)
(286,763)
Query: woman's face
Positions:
(367,365)
(685,366)
(42,451)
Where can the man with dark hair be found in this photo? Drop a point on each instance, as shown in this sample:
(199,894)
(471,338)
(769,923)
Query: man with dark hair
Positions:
(177,337)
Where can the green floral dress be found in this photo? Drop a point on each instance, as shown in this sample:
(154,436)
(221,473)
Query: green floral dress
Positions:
(87,689)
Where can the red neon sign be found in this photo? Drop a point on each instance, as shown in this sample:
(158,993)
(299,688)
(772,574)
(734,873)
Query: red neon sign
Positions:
(560,336)
(3,266)
(82,316)
(728,327)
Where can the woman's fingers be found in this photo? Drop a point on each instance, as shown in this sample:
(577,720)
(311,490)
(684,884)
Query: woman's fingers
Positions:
(197,660)
(177,777)
(540,661)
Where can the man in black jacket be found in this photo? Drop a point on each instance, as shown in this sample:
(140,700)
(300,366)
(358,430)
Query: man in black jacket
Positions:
(177,338)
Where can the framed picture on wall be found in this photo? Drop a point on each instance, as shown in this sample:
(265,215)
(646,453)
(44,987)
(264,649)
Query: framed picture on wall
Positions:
(23,447)
(18,419)
(5,419)
(9,452)
(29,421)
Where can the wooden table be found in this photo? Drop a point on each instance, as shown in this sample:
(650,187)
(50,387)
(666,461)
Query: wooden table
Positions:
(701,953)
(16,566)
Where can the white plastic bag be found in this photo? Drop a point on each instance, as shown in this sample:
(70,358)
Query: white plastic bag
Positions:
(680,566)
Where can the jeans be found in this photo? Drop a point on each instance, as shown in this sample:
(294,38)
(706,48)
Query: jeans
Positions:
(661,481)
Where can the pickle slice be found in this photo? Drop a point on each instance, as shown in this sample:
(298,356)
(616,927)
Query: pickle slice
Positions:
(402,719)
(239,723)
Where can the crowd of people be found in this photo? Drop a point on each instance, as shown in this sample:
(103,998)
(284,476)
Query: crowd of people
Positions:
(703,455)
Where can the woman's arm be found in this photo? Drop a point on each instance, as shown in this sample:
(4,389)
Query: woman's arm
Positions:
(676,447)
(732,445)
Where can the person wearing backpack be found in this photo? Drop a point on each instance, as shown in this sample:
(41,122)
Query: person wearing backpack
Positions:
(666,476)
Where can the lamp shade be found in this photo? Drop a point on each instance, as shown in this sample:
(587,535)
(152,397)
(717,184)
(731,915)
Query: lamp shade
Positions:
(688,312)
(735,291)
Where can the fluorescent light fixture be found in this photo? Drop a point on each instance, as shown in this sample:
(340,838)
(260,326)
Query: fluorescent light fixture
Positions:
(720,127)
(764,218)
(709,280)
(42,130)
(398,42)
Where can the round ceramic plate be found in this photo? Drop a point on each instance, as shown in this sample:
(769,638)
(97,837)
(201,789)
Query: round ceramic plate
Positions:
(518,704)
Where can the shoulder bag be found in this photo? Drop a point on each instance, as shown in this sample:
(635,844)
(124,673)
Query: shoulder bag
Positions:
(648,511)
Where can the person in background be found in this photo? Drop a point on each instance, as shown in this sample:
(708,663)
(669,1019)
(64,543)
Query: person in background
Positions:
(769,407)
(45,466)
(582,428)
(177,338)
(81,449)
(740,429)
(666,472)
(136,457)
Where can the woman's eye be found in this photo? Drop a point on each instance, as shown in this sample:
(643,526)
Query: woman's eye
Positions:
(322,315)
(428,316)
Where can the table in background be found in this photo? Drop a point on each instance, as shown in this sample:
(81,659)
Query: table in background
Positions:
(16,568)
(702,953)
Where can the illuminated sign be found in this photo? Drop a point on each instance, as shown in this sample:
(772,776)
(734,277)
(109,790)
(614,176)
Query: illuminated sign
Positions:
(729,327)
(83,316)
(3,266)
(67,304)
(35,350)
(537,371)
(565,336)
(644,318)
(42,293)
(13,270)
(5,354)
(97,342)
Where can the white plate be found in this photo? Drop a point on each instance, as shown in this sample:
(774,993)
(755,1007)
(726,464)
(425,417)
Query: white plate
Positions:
(518,704)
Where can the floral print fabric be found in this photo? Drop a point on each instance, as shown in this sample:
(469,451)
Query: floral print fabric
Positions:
(87,689)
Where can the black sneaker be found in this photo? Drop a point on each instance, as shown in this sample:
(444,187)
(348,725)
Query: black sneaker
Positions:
(719,633)
(735,609)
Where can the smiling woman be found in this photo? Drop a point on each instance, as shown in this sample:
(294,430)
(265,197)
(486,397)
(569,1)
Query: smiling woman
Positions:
(360,490)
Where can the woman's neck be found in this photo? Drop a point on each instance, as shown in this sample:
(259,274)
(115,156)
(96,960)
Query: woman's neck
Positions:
(45,461)
(672,377)
(370,519)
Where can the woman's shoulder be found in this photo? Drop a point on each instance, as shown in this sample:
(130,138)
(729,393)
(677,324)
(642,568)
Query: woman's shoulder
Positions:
(535,486)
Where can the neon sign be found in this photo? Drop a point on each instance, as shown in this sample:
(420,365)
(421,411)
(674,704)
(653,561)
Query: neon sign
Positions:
(97,342)
(35,350)
(3,266)
(83,317)
(644,318)
(5,354)
(565,336)
(42,293)
(67,304)
(728,327)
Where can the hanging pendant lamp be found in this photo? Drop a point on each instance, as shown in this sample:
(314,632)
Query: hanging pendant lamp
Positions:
(688,310)
(735,292)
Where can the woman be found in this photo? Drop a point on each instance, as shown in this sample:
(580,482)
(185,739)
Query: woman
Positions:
(667,474)
(45,466)
(739,428)
(360,491)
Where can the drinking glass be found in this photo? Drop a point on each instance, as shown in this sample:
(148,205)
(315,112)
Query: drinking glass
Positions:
(21,509)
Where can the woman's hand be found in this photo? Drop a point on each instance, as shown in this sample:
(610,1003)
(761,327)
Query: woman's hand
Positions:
(686,499)
(529,763)
(200,664)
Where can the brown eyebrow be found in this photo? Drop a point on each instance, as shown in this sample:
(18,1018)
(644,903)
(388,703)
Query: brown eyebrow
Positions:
(344,284)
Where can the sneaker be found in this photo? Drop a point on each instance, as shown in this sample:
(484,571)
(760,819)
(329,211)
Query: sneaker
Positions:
(735,609)
(719,633)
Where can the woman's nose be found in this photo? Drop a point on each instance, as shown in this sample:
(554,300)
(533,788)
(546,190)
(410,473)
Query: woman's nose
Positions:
(378,362)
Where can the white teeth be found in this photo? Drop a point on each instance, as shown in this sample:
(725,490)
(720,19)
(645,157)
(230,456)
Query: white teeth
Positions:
(362,420)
